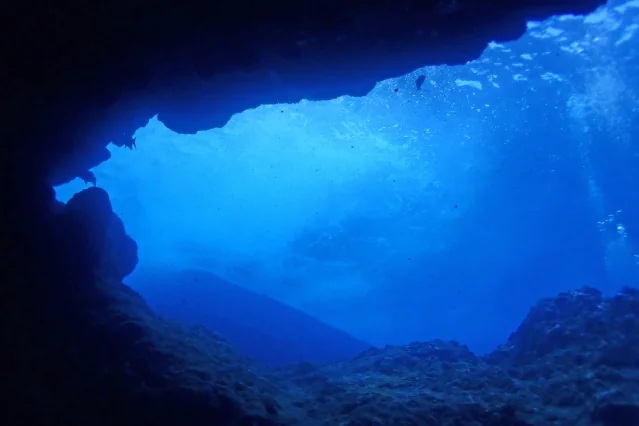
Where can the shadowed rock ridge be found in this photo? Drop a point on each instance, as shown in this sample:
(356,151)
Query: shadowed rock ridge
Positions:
(80,348)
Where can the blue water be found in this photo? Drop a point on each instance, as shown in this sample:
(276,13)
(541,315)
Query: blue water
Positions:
(405,215)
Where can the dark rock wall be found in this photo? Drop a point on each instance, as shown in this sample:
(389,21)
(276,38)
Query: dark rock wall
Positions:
(80,348)
(94,72)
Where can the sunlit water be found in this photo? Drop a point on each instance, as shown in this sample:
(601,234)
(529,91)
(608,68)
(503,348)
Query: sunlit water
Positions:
(411,214)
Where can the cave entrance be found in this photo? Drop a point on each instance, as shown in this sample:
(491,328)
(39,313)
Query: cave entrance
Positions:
(442,204)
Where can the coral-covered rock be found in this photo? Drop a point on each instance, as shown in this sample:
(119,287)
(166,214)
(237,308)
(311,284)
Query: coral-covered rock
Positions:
(557,323)
(585,374)
(578,327)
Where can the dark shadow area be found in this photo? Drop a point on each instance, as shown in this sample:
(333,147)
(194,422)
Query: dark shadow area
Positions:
(81,348)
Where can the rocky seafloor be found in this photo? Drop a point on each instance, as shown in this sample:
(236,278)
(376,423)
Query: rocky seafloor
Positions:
(573,361)
(108,359)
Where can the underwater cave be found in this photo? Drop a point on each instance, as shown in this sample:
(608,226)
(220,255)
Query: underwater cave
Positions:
(303,236)
(439,210)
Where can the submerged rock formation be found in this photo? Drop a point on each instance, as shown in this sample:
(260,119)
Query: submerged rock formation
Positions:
(80,348)
(102,357)
(573,361)
(107,359)
(98,234)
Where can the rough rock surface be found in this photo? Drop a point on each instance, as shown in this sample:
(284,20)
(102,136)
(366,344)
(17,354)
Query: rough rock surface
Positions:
(100,356)
(79,348)
(85,349)
(90,215)
(573,361)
